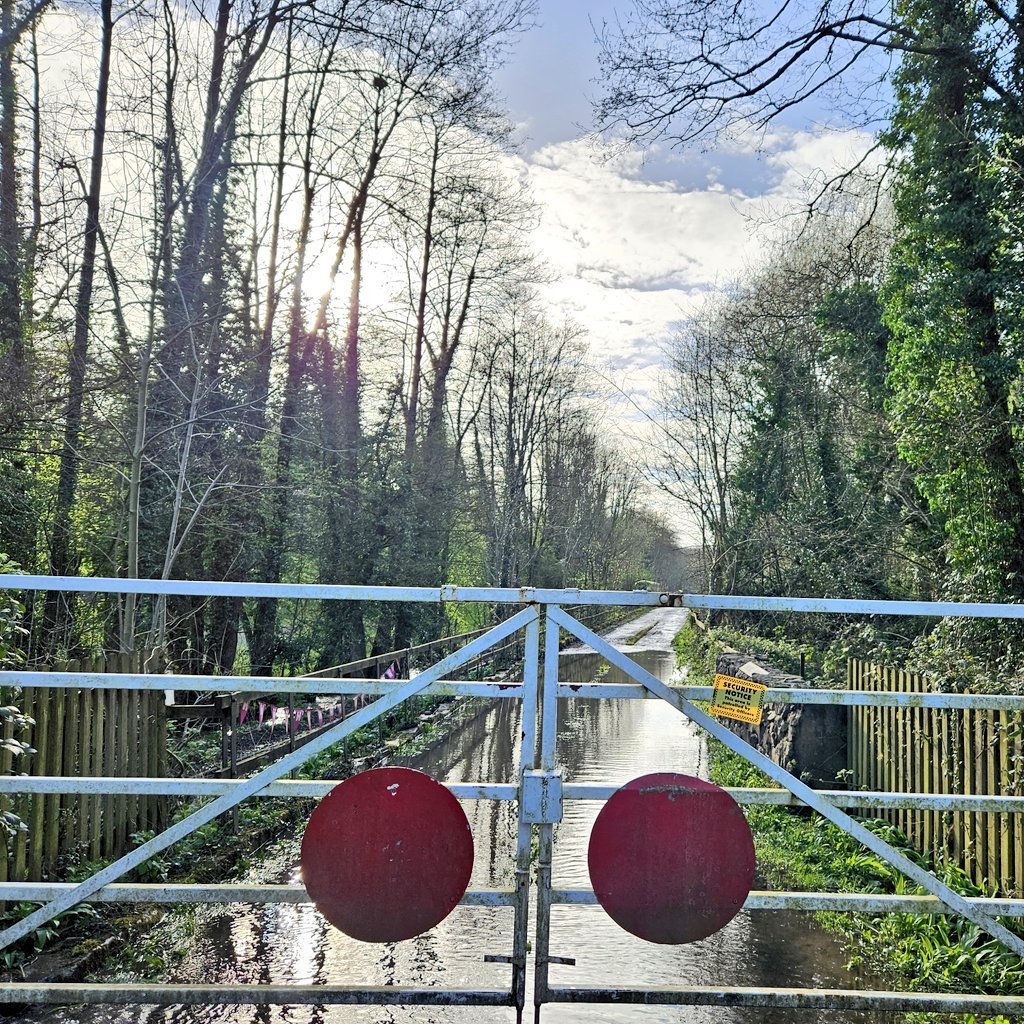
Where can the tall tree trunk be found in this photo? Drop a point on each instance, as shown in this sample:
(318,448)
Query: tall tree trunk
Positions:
(32,242)
(162,221)
(350,425)
(421,304)
(11,331)
(59,615)
(263,647)
(347,546)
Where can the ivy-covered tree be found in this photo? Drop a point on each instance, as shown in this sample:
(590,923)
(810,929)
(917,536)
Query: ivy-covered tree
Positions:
(952,296)
(953,281)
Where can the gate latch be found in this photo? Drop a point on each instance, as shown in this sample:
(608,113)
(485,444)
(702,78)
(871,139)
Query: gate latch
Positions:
(542,797)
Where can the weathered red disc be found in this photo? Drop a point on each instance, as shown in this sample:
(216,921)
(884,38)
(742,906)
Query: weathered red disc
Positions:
(387,854)
(671,858)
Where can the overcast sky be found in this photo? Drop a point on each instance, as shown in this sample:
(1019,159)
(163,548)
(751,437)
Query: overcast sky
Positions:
(636,238)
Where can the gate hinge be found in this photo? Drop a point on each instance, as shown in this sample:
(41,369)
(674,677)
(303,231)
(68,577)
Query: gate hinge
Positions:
(541,795)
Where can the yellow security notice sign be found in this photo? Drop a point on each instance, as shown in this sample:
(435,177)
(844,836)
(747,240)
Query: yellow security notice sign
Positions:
(738,698)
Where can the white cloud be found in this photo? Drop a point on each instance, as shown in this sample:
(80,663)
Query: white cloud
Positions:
(631,254)
(810,158)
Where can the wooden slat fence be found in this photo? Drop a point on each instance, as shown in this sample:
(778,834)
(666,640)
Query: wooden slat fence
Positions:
(85,733)
(932,750)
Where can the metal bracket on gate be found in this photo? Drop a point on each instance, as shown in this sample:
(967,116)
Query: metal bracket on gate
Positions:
(541,797)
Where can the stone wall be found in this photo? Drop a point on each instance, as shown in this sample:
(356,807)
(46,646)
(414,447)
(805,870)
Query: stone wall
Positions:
(808,740)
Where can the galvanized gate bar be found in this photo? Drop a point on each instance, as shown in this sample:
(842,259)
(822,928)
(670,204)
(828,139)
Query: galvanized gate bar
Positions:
(504,791)
(250,684)
(272,773)
(917,874)
(164,892)
(838,797)
(339,995)
(524,831)
(842,606)
(794,695)
(794,999)
(143,785)
(847,902)
(40,993)
(866,800)
(506,595)
(269,894)
(870,903)
(545,832)
(339,592)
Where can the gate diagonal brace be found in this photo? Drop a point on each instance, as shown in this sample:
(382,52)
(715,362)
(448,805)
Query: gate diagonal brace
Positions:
(80,893)
(799,789)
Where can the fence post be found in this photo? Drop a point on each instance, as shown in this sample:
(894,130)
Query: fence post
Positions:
(917,741)
(1014,758)
(876,770)
(40,732)
(147,709)
(121,750)
(233,750)
(969,853)
(958,783)
(991,819)
(109,766)
(866,730)
(85,803)
(886,733)
(936,755)
(977,743)
(133,741)
(100,804)
(53,763)
(980,820)
(291,722)
(71,757)
(224,705)
(904,768)
(161,804)
(1006,851)
(23,804)
(861,747)
(6,763)
(852,744)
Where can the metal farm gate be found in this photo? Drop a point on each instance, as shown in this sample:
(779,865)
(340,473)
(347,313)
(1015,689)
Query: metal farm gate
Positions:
(539,795)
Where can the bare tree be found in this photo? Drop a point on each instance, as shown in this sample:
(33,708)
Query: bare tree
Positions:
(705,400)
(682,70)
(62,560)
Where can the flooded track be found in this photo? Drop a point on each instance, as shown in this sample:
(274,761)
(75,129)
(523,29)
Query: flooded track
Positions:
(599,741)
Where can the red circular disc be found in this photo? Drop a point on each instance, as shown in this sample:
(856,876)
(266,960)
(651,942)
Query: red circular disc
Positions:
(671,858)
(387,854)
